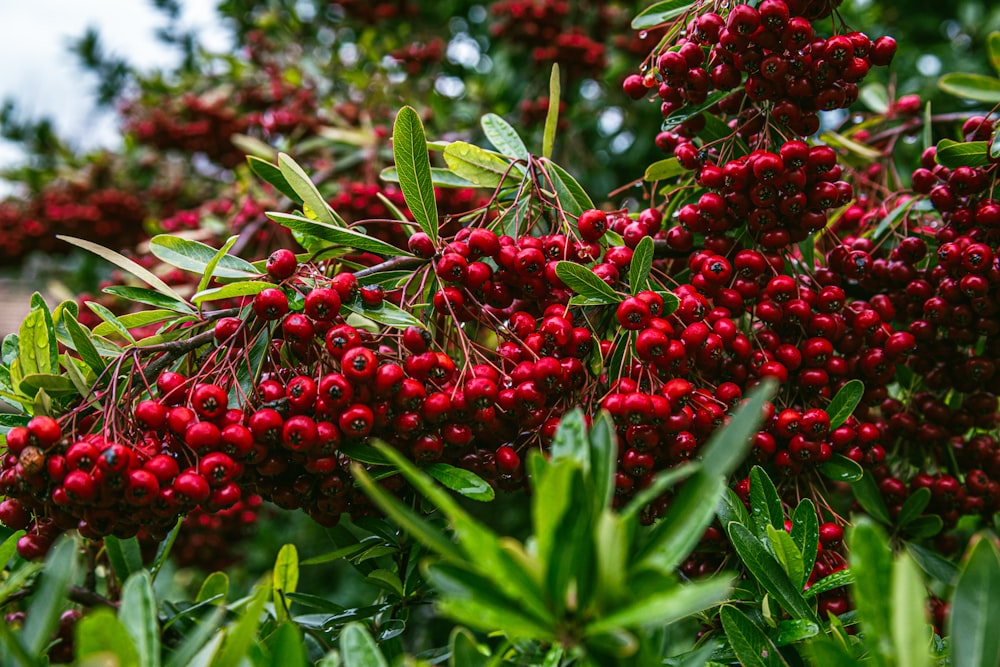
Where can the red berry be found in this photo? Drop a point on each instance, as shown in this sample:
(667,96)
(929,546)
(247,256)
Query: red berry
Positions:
(270,304)
(281,264)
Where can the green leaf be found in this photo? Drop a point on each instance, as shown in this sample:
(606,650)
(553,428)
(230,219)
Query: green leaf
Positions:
(242,288)
(465,650)
(163,551)
(871,564)
(461,481)
(138,614)
(440,177)
(196,642)
(34,344)
(662,607)
(388,580)
(769,573)
(126,264)
(53,384)
(572,196)
(875,96)
(306,190)
(664,480)
(659,13)
(111,320)
(148,297)
(195,256)
(993,50)
(503,137)
(913,506)
(409,150)
(358,649)
(61,567)
(975,607)
(387,314)
(214,262)
(479,166)
(728,446)
(868,496)
(585,282)
(934,565)
(642,262)
(9,547)
(805,533)
(788,555)
(552,114)
(603,461)
(971,86)
(843,404)
(240,636)
(46,337)
(285,579)
(765,504)
(340,236)
(344,552)
(272,174)
(859,149)
(794,631)
(135,320)
(287,647)
(842,469)
(954,154)
(125,556)
(216,585)
(84,343)
(748,642)
(911,632)
(831,581)
(100,632)
(661,170)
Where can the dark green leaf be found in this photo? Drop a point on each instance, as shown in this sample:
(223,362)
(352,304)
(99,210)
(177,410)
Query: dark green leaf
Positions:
(364,453)
(465,650)
(732,509)
(975,607)
(971,86)
(240,636)
(477,165)
(285,579)
(954,154)
(312,201)
(271,174)
(924,526)
(830,582)
(552,114)
(440,177)
(867,494)
(573,198)
(46,604)
(768,572)
(195,256)
(765,504)
(642,262)
(993,50)
(138,614)
(148,297)
(913,506)
(461,481)
(126,264)
(685,113)
(84,344)
(386,579)
(748,642)
(664,169)
(125,556)
(843,404)
(503,137)
(340,236)
(163,551)
(805,532)
(409,149)
(344,552)
(584,282)
(933,564)
(871,564)
(842,469)
(659,13)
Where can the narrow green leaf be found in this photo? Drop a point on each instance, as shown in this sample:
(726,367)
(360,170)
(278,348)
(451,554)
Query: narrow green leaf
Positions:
(844,402)
(135,320)
(871,564)
(562,181)
(663,607)
(340,236)
(911,632)
(856,147)
(149,297)
(84,343)
(603,461)
(126,264)
(794,631)
(197,641)
(53,384)
(311,198)
(728,446)
(61,567)
(195,257)
(344,552)
(664,480)
(954,154)
(913,506)
(842,469)
(788,555)
(927,134)
(388,580)
(503,137)
(285,579)
(868,496)
(100,632)
(387,314)
(125,556)
(216,585)
(831,581)
(214,262)
(584,282)
(287,647)
(111,319)
(479,166)
(934,565)
(805,533)
(240,636)
(971,86)
(138,614)
(552,114)
(409,150)
(975,607)
(748,642)
(440,177)
(993,50)
(659,13)
(642,262)
(270,173)
(769,573)
(45,341)
(163,551)
(875,96)
(243,288)
(461,481)
(765,504)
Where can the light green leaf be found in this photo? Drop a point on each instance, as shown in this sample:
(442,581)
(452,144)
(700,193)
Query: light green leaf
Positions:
(954,154)
(149,297)
(126,264)
(285,579)
(642,263)
(216,585)
(911,632)
(871,564)
(465,650)
(84,344)
(341,236)
(61,567)
(34,344)
(461,481)
(240,636)
(287,647)
(662,607)
(306,190)
(572,196)
(993,50)
(975,607)
(138,614)
(659,13)
(661,170)
(552,114)
(134,320)
(479,166)
(214,262)
(503,137)
(110,319)
(585,282)
(9,547)
(100,632)
(195,256)
(788,555)
(831,581)
(971,86)
(440,177)
(409,150)
(387,314)
(232,290)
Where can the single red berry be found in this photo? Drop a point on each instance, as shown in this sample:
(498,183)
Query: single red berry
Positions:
(270,304)
(281,264)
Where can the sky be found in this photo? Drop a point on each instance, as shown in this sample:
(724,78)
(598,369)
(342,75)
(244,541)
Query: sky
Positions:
(39,72)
